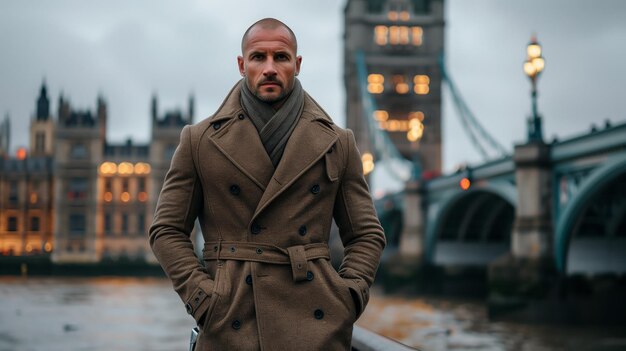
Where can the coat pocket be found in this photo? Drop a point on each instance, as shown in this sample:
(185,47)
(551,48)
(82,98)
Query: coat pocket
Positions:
(215,297)
(341,288)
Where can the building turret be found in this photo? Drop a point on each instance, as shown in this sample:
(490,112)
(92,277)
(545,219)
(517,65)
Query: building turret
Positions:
(191,107)
(154,109)
(43,104)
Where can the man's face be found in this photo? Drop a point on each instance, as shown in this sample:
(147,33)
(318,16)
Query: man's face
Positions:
(269,63)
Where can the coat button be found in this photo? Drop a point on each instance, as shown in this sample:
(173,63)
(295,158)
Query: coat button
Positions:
(255,229)
(302,230)
(235,189)
(217,125)
(318,314)
(236,324)
(241,116)
(309,275)
(188,308)
(249,279)
(315,189)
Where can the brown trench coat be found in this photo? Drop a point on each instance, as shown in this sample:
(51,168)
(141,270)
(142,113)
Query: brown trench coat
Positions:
(268,283)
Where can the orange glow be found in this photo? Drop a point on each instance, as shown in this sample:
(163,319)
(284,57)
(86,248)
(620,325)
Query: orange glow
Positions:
(394,35)
(33,198)
(368,163)
(465,183)
(380,35)
(392,15)
(417,114)
(29,248)
(125,197)
(142,168)
(21,153)
(404,15)
(375,83)
(404,35)
(416,130)
(381,115)
(108,168)
(125,168)
(402,88)
(142,196)
(417,34)
(108,196)
(48,247)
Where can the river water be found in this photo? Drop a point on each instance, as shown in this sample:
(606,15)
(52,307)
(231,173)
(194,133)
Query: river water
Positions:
(98,314)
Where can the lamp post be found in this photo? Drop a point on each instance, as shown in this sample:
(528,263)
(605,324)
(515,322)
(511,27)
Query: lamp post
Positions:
(533,66)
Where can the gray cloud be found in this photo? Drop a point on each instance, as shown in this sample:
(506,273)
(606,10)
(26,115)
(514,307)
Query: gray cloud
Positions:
(128,50)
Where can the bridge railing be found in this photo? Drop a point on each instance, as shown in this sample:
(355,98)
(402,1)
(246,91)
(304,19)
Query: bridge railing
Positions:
(365,340)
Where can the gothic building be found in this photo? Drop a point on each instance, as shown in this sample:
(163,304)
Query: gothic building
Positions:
(78,197)
(402,42)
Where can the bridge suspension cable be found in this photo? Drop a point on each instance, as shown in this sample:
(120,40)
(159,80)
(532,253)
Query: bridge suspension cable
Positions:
(476,132)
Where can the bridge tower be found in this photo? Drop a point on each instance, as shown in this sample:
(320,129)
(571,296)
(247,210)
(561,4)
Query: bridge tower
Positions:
(402,41)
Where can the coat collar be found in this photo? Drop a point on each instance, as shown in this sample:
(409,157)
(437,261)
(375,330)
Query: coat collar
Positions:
(239,141)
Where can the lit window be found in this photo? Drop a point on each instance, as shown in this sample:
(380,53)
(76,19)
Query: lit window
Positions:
(368,163)
(142,168)
(33,198)
(392,15)
(404,15)
(400,84)
(381,115)
(125,197)
(375,83)
(417,114)
(125,168)
(416,130)
(108,196)
(403,35)
(416,35)
(108,168)
(142,196)
(421,84)
(380,35)
(394,35)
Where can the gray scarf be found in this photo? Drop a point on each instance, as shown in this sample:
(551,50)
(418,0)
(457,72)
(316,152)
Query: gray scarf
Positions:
(274,127)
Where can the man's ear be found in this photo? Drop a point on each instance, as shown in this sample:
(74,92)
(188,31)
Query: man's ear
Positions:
(241,65)
(298,63)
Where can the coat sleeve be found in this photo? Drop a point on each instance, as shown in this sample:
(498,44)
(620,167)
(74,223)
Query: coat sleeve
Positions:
(178,207)
(361,233)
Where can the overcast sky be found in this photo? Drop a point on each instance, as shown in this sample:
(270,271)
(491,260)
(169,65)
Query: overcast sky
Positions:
(127,50)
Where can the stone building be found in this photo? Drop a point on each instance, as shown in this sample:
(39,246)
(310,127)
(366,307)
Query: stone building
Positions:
(402,42)
(76,195)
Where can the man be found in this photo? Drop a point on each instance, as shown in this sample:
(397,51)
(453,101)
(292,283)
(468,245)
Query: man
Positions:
(265,176)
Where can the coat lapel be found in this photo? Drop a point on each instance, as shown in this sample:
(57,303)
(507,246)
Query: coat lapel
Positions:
(310,140)
(239,141)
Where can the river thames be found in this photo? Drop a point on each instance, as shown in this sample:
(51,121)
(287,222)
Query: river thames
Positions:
(97,314)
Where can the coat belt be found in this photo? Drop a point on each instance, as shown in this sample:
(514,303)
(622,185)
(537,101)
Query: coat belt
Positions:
(296,256)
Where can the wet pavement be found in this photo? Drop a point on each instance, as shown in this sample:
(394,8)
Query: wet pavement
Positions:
(97,314)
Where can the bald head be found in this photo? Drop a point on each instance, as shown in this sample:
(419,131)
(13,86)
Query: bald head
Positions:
(268,24)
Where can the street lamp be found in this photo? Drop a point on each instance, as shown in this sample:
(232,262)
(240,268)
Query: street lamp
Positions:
(533,66)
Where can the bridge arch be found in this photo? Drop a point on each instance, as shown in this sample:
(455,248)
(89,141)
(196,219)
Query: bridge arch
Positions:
(476,222)
(605,184)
